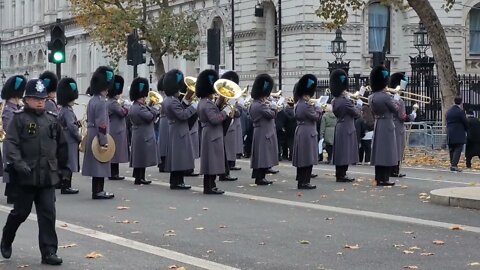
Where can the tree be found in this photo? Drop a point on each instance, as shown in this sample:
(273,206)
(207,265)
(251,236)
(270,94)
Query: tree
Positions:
(336,14)
(108,22)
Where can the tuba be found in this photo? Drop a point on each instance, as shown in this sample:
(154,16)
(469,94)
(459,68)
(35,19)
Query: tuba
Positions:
(190,82)
(154,98)
(83,129)
(226,90)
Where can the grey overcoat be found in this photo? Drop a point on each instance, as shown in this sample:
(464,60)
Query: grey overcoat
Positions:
(195,140)
(51,106)
(6,118)
(305,144)
(144,147)
(264,143)
(398,120)
(345,143)
(163,134)
(231,140)
(70,126)
(118,130)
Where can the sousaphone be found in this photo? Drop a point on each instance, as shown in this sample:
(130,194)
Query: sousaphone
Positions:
(103,155)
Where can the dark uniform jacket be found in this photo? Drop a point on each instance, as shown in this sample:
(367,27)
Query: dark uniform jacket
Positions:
(51,105)
(35,140)
(456,125)
(473,137)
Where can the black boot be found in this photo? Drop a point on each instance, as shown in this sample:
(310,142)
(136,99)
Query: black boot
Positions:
(178,182)
(262,182)
(6,249)
(140,177)
(306,186)
(97,189)
(52,259)
(67,187)
(115,172)
(209,186)
(224,177)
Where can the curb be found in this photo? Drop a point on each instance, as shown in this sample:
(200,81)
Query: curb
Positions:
(467,197)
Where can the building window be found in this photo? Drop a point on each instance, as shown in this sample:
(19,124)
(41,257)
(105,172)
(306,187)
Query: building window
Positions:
(378,28)
(475,31)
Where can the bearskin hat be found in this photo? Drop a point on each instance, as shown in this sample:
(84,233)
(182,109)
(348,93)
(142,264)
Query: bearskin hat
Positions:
(173,82)
(67,91)
(102,80)
(117,87)
(338,82)
(205,81)
(50,81)
(262,86)
(14,87)
(395,79)
(35,88)
(232,76)
(139,88)
(307,85)
(379,78)
(160,83)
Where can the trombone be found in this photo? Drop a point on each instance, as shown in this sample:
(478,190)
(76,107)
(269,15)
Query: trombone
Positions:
(409,95)
(355,96)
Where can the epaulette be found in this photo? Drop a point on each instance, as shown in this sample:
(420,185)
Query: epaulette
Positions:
(52,113)
(18,111)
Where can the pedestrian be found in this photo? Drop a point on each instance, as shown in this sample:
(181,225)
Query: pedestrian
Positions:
(67,93)
(12,93)
(327,130)
(117,113)
(366,126)
(179,156)
(98,126)
(264,153)
(384,144)
(51,81)
(35,170)
(345,144)
(290,127)
(473,138)
(305,145)
(456,132)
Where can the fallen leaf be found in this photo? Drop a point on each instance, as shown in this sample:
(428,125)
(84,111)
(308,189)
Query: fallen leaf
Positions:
(228,241)
(172,208)
(64,225)
(456,228)
(169,234)
(122,207)
(210,251)
(474,264)
(329,218)
(222,226)
(240,186)
(427,254)
(136,232)
(339,253)
(403,186)
(126,221)
(93,255)
(304,242)
(438,242)
(407,252)
(395,245)
(205,208)
(261,244)
(136,221)
(408,232)
(199,228)
(328,235)
(68,246)
(414,248)
(188,219)
(299,194)
(410,267)
(23,266)
(340,190)
(173,266)
(352,247)
(100,226)
(170,231)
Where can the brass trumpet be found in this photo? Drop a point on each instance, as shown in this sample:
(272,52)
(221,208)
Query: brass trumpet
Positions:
(154,98)
(408,95)
(226,90)
(190,82)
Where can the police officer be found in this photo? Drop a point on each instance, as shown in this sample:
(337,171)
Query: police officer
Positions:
(384,145)
(307,113)
(345,144)
(162,130)
(179,156)
(142,116)
(37,152)
(264,141)
(98,126)
(67,93)
(212,158)
(12,93)
(118,128)
(50,80)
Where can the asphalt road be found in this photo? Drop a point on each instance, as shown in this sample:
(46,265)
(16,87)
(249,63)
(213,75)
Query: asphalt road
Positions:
(258,227)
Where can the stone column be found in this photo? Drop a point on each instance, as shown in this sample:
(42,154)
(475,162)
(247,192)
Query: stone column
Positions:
(27,13)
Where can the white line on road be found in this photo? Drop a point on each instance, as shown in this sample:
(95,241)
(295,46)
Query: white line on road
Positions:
(161,252)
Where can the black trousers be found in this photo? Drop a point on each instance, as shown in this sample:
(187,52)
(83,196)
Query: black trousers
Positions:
(176,178)
(290,146)
(365,150)
(259,174)
(139,173)
(341,171)
(161,165)
(66,179)
(382,173)
(115,170)
(395,169)
(209,182)
(304,174)
(98,184)
(329,149)
(227,164)
(468,160)
(455,150)
(44,199)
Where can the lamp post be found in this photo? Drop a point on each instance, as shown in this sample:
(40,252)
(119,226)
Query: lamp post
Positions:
(150,68)
(338,49)
(421,63)
(3,78)
(26,74)
(420,40)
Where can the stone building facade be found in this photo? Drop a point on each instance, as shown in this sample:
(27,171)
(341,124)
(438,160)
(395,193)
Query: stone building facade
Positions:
(305,40)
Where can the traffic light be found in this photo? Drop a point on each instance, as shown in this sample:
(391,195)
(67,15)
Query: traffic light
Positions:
(135,51)
(141,50)
(57,43)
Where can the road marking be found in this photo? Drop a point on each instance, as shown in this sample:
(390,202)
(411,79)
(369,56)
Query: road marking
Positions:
(372,174)
(340,210)
(161,252)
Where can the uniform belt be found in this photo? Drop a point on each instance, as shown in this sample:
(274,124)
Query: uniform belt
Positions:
(303,123)
(383,117)
(90,125)
(205,124)
(257,125)
(341,120)
(172,121)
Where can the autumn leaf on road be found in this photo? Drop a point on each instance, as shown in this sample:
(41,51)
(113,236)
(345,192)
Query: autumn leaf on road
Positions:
(427,254)
(438,242)
(304,242)
(414,248)
(23,266)
(352,246)
(188,219)
(222,226)
(93,255)
(410,267)
(456,228)
(199,228)
(173,266)
(408,252)
(68,246)
(64,225)
(474,264)
(340,190)
(397,245)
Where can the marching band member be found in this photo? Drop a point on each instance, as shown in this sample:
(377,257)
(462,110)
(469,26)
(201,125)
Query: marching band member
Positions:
(345,144)
(142,116)
(98,126)
(399,118)
(212,158)
(67,93)
(290,127)
(264,142)
(179,156)
(384,148)
(50,81)
(12,93)
(305,146)
(118,127)
(162,130)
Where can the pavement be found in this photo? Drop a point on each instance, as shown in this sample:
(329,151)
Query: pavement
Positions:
(337,226)
(468,197)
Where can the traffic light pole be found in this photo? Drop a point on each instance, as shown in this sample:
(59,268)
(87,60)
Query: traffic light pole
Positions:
(135,72)
(59,71)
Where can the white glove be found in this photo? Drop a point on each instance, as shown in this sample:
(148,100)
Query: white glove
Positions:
(359,103)
(247,99)
(414,115)
(227,110)
(396,97)
(241,102)
(194,104)
(273,105)
(281,100)
(186,102)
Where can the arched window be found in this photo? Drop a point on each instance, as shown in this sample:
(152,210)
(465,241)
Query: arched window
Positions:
(12,61)
(378,28)
(74,67)
(30,58)
(20,60)
(40,58)
(475,30)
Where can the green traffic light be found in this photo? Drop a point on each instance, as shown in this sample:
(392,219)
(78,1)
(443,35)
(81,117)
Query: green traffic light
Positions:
(58,57)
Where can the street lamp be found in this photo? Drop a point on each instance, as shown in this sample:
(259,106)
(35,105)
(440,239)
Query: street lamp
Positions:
(338,49)
(3,78)
(26,74)
(150,68)
(420,40)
